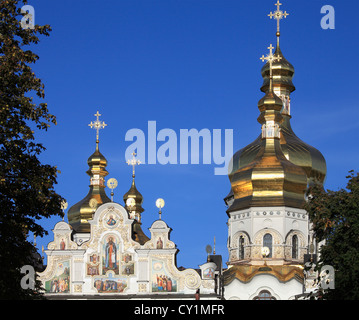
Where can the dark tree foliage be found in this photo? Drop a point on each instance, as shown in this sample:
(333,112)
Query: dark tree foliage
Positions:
(26,185)
(335,217)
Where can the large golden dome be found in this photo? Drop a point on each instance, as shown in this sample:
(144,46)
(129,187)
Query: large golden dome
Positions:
(294,149)
(269,179)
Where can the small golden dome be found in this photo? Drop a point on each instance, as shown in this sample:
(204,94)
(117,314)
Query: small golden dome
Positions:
(97,163)
(137,196)
(135,211)
(283,72)
(80,213)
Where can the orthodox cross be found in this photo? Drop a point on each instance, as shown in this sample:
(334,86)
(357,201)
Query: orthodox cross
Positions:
(133,162)
(270,58)
(97,125)
(278,15)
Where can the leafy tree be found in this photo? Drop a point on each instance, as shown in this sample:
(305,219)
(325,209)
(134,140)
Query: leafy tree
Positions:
(335,217)
(26,185)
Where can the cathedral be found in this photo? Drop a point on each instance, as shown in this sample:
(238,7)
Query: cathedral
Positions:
(103,252)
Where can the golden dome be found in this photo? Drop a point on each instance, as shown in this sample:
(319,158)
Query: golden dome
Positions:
(137,196)
(136,209)
(80,213)
(283,72)
(269,179)
(97,163)
(294,149)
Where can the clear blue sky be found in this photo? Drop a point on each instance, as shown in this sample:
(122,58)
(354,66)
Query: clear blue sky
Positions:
(189,64)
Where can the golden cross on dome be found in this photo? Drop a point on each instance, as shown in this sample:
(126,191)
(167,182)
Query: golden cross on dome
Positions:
(278,15)
(133,162)
(97,125)
(270,58)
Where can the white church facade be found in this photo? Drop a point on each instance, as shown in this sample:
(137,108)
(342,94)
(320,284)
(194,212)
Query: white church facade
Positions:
(109,263)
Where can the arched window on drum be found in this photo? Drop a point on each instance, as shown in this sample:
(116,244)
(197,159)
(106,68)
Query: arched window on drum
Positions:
(241,248)
(267,242)
(295,247)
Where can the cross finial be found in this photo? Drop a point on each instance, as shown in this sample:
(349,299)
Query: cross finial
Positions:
(97,125)
(270,58)
(133,162)
(278,15)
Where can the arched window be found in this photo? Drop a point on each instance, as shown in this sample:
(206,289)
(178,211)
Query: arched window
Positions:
(267,242)
(241,247)
(264,295)
(295,247)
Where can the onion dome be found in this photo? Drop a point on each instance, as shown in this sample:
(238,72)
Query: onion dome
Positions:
(133,193)
(294,149)
(269,178)
(135,210)
(283,72)
(80,213)
(134,206)
(297,151)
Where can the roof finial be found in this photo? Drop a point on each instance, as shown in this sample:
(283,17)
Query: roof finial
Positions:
(160,203)
(270,58)
(112,184)
(278,15)
(97,125)
(214,245)
(133,162)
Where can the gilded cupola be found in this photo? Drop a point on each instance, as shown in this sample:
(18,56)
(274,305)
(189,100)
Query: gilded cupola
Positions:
(133,204)
(270,179)
(80,213)
(283,72)
(133,198)
(294,149)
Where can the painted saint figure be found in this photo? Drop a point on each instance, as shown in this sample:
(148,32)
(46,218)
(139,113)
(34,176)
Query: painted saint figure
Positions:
(111,221)
(62,244)
(159,243)
(111,255)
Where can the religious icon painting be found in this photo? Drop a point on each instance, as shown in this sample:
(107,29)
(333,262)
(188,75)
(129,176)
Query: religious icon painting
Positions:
(62,244)
(92,270)
(127,257)
(208,273)
(110,255)
(159,243)
(161,279)
(128,269)
(111,220)
(110,284)
(94,258)
(60,282)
